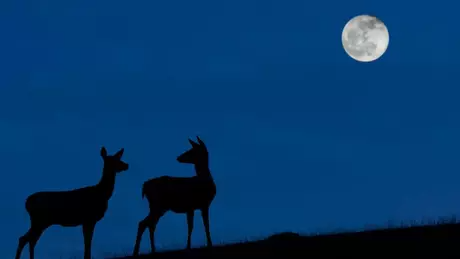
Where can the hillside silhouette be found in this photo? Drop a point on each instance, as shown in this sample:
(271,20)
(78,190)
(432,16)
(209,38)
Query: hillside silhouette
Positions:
(435,240)
(86,206)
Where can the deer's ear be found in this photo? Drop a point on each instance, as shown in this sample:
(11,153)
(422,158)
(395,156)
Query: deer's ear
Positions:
(193,143)
(119,154)
(103,152)
(200,142)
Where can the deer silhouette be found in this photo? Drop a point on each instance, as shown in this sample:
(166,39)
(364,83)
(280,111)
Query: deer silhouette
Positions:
(83,206)
(180,194)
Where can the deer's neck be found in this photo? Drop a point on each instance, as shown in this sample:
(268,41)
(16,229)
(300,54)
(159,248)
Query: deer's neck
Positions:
(107,183)
(202,170)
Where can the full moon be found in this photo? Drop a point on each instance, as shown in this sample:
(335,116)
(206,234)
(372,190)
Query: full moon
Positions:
(365,38)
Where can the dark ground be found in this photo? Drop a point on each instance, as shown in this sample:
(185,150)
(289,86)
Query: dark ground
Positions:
(435,241)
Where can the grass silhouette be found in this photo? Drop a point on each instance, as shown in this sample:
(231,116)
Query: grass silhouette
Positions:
(427,239)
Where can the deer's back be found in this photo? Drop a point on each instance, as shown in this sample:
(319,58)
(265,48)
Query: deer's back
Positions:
(180,194)
(67,208)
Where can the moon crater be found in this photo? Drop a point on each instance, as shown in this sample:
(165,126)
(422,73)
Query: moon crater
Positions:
(365,38)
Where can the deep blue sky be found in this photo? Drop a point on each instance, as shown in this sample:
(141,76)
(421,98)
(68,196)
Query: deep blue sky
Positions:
(330,143)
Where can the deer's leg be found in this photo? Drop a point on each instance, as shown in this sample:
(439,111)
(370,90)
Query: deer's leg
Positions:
(140,231)
(22,243)
(152,226)
(150,222)
(190,215)
(88,231)
(205,216)
(33,237)
(143,224)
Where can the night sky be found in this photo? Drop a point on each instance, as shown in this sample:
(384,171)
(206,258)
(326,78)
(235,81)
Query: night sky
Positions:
(301,137)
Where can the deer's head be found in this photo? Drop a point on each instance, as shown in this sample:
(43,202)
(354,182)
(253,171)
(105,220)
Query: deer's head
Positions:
(197,155)
(114,163)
